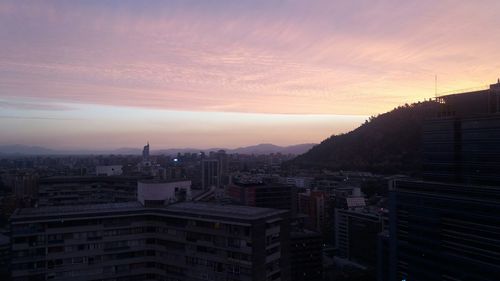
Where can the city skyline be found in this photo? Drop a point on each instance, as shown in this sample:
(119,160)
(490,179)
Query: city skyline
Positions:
(103,75)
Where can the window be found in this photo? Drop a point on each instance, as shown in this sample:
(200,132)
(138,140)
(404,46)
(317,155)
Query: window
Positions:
(233,242)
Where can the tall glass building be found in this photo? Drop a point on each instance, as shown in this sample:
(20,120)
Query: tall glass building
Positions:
(447,226)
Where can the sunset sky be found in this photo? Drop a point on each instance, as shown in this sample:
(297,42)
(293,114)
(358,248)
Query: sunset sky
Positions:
(110,74)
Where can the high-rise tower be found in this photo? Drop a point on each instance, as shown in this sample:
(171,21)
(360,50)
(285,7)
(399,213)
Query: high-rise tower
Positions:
(446,227)
(145,153)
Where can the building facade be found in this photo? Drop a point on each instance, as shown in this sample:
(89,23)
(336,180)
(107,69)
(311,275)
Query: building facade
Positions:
(60,191)
(4,257)
(210,174)
(462,145)
(127,241)
(24,185)
(444,231)
(266,195)
(145,153)
(313,204)
(447,227)
(356,235)
(306,255)
(163,192)
(463,149)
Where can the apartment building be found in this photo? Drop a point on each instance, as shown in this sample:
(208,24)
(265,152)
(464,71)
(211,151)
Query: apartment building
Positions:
(127,241)
(57,191)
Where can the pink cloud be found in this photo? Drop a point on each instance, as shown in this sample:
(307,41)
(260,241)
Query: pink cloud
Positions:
(325,57)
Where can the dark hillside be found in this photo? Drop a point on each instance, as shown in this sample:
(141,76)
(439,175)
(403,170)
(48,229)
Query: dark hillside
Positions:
(387,143)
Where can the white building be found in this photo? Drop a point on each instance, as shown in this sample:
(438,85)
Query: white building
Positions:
(161,192)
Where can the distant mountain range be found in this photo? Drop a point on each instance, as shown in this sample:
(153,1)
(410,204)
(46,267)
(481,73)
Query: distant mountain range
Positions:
(264,148)
(388,143)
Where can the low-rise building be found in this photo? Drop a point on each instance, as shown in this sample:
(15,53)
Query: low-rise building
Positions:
(163,192)
(60,191)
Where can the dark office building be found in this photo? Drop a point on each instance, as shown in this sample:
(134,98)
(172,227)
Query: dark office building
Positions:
(306,255)
(210,174)
(4,257)
(462,145)
(126,241)
(444,231)
(263,194)
(447,227)
(356,235)
(223,159)
(312,204)
(383,254)
(465,149)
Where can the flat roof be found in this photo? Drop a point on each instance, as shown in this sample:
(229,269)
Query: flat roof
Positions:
(149,181)
(232,211)
(76,209)
(86,179)
(182,208)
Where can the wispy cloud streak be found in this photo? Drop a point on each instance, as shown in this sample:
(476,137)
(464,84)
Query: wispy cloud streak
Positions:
(321,57)
(293,57)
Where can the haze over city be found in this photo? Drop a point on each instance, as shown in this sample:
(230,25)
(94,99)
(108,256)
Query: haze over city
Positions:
(97,75)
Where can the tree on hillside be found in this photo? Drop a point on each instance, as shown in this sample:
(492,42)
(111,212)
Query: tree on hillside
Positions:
(387,143)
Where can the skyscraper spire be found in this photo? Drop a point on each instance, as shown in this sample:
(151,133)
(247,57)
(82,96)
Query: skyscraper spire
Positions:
(145,153)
